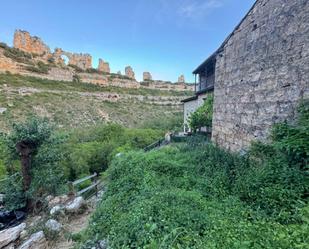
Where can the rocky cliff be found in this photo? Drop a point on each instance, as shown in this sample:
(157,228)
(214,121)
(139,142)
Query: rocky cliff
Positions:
(32,57)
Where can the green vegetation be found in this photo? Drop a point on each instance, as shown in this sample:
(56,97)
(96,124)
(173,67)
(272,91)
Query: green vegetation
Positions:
(202,117)
(40,160)
(16,54)
(91,150)
(196,195)
(75,104)
(40,67)
(34,144)
(26,81)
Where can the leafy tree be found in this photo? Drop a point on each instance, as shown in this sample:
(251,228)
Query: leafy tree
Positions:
(202,117)
(24,142)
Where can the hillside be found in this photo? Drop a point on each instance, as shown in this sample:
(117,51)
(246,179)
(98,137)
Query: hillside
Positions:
(73,104)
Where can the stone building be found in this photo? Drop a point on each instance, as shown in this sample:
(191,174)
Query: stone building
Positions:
(204,85)
(129,72)
(181,79)
(147,76)
(260,72)
(31,44)
(104,66)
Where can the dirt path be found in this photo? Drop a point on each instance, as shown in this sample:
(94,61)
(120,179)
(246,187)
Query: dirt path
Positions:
(74,225)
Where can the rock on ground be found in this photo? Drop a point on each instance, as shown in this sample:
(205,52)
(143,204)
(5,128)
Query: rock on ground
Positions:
(2,110)
(36,241)
(76,205)
(54,201)
(53,226)
(103,244)
(10,246)
(56,210)
(11,234)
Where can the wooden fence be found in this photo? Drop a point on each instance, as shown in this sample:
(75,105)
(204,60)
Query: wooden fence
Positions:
(94,185)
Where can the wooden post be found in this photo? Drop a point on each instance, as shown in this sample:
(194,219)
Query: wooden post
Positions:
(96,186)
(71,189)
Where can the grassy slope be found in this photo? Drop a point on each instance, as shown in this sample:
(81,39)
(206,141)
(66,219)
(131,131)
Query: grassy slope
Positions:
(68,109)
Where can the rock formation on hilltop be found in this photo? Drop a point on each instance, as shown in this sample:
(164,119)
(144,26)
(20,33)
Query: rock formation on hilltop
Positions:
(129,72)
(31,44)
(181,79)
(32,57)
(147,76)
(104,66)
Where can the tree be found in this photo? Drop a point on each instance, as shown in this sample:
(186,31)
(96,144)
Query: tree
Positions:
(24,142)
(202,117)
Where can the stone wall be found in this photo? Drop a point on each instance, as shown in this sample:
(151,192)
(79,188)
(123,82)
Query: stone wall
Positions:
(167,85)
(261,72)
(147,76)
(103,66)
(129,72)
(181,79)
(83,61)
(31,44)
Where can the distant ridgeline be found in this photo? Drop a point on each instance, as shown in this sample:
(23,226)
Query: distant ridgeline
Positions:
(32,57)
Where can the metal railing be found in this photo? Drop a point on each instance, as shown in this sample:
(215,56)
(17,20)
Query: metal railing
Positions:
(156,144)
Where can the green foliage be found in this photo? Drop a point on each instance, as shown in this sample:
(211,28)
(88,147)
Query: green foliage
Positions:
(76,78)
(16,54)
(172,123)
(46,172)
(91,150)
(199,196)
(77,69)
(15,198)
(2,158)
(40,68)
(202,117)
(35,131)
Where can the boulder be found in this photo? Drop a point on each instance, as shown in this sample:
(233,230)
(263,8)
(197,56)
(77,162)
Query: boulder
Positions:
(1,198)
(2,110)
(53,226)
(57,210)
(11,234)
(36,241)
(10,246)
(54,201)
(103,244)
(23,235)
(76,206)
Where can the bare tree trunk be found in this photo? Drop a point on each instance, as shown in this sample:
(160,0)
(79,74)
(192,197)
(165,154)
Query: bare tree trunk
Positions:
(25,149)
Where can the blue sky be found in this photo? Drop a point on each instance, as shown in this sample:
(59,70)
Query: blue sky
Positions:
(165,37)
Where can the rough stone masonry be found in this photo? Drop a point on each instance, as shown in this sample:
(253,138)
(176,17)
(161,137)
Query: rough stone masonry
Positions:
(262,72)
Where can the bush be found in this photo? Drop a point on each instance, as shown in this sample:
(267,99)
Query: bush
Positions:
(91,150)
(35,143)
(202,117)
(173,123)
(16,54)
(40,68)
(199,196)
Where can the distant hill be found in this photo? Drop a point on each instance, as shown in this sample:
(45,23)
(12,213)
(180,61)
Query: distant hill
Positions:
(30,56)
(73,104)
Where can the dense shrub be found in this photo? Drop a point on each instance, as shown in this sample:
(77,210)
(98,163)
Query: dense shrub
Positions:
(202,117)
(91,150)
(173,123)
(199,196)
(40,68)
(16,54)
